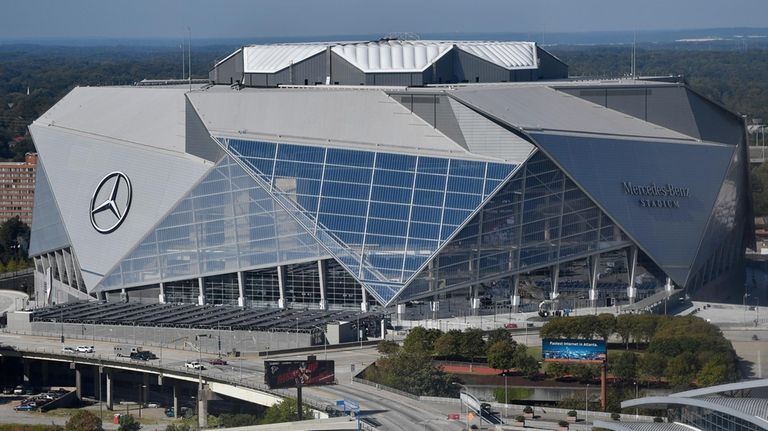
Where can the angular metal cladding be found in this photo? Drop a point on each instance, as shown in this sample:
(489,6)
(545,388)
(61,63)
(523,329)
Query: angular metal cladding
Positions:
(660,193)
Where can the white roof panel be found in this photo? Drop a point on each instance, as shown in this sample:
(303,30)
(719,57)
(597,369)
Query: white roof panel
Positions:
(349,118)
(509,55)
(274,58)
(393,55)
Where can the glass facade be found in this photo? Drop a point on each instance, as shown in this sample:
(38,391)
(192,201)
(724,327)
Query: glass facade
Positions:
(538,218)
(302,283)
(225,224)
(340,287)
(382,215)
(221,289)
(711,420)
(261,287)
(181,291)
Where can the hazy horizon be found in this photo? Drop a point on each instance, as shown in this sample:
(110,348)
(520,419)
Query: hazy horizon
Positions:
(297,19)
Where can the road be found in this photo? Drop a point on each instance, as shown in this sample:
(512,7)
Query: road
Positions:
(392,411)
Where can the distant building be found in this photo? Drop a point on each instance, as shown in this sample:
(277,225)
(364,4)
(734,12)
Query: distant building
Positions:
(17,188)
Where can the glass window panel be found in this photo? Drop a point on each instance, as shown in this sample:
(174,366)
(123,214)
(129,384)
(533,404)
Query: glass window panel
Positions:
(387,227)
(349,191)
(425,230)
(434,199)
(465,185)
(499,171)
(389,211)
(347,174)
(342,223)
(298,170)
(467,168)
(264,150)
(300,153)
(462,201)
(338,156)
(426,214)
(398,162)
(344,206)
(393,178)
(391,194)
(433,165)
(430,182)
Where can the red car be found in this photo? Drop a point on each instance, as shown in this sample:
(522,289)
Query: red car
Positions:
(510,325)
(217,361)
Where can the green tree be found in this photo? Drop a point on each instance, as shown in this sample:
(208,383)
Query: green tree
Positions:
(713,373)
(83,420)
(128,423)
(759,176)
(13,234)
(527,365)
(449,344)
(681,370)
(653,365)
(386,347)
(421,340)
(499,334)
(285,411)
(625,327)
(472,344)
(606,325)
(182,426)
(501,355)
(624,366)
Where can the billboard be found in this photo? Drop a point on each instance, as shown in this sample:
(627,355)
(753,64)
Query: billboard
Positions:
(290,374)
(569,350)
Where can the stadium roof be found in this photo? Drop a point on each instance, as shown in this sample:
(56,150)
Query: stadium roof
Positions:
(387,55)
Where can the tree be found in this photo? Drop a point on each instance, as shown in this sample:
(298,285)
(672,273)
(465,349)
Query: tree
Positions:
(501,355)
(284,411)
(472,344)
(625,327)
(83,420)
(128,423)
(449,344)
(653,365)
(713,373)
(178,427)
(681,370)
(606,326)
(624,367)
(527,365)
(13,233)
(421,340)
(386,347)
(499,334)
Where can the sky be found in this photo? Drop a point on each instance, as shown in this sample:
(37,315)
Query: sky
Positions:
(209,19)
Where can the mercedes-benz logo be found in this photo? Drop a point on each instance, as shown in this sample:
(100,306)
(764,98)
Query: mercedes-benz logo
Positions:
(110,202)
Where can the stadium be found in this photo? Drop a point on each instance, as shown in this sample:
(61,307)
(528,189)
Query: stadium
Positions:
(370,175)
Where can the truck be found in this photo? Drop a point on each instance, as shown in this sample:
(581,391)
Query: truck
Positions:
(126,350)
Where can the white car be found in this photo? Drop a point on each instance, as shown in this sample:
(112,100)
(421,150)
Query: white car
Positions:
(68,350)
(194,365)
(85,349)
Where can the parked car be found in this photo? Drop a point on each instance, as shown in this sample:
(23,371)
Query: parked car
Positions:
(68,350)
(85,349)
(194,365)
(18,390)
(25,407)
(510,325)
(217,361)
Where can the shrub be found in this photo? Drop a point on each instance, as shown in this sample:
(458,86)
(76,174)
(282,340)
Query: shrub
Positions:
(83,420)
(520,418)
(615,416)
(572,413)
(563,424)
(528,409)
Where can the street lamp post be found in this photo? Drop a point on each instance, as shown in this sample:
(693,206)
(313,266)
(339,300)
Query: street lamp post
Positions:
(636,397)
